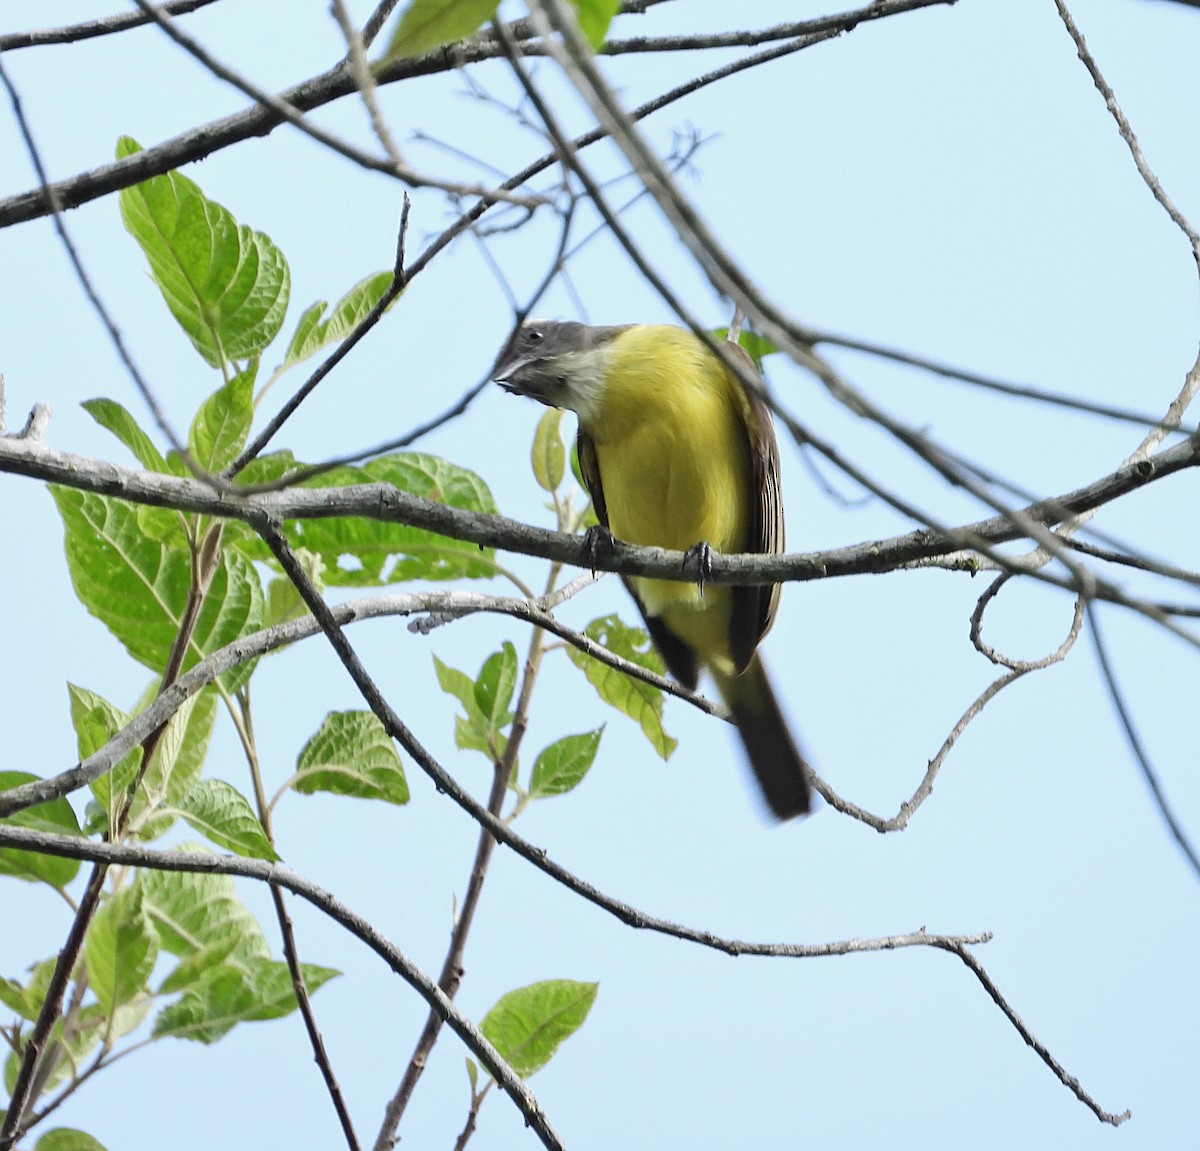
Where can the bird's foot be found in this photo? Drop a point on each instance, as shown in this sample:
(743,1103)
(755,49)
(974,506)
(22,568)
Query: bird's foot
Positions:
(699,558)
(599,544)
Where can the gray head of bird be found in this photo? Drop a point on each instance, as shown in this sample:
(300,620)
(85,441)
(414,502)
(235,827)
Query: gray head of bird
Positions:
(560,363)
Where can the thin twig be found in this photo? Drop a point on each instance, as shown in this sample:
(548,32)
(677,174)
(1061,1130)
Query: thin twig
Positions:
(390,295)
(386,503)
(356,57)
(291,951)
(104,26)
(439,606)
(1040,1049)
(259,120)
(210,863)
(304,1002)
(203,863)
(992,383)
(55,207)
(1016,669)
(452,966)
(1140,754)
(22,1094)
(1127,133)
(391,165)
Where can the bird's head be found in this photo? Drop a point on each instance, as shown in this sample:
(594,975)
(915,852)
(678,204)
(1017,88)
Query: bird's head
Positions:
(561,364)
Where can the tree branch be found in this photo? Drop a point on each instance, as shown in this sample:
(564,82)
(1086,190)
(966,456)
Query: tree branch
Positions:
(106,854)
(387,504)
(203,863)
(334,84)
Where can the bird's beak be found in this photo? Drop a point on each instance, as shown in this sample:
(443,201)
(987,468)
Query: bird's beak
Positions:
(508,375)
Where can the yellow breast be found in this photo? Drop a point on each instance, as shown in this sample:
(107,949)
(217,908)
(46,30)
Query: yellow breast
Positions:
(674,456)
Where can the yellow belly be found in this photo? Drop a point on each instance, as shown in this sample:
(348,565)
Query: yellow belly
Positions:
(674,457)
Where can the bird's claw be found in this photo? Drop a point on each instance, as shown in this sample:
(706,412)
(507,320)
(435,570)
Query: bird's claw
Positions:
(701,556)
(599,544)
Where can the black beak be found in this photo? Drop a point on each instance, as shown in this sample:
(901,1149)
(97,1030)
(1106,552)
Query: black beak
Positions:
(508,375)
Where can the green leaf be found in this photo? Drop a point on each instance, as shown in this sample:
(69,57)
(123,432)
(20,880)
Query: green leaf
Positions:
(273,984)
(313,333)
(284,601)
(178,755)
(228,996)
(638,700)
(562,766)
(351,754)
(27,999)
(269,469)
(594,18)
(359,552)
(178,759)
(116,419)
(224,816)
(528,1025)
(429,24)
(456,683)
(222,424)
(195,965)
(120,950)
(65,1052)
(226,286)
(493,688)
(478,730)
(67,1139)
(193,913)
(549,455)
(164,525)
(757,347)
(96,721)
(56,817)
(138,587)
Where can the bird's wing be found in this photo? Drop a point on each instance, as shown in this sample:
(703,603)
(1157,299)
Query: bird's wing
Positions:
(754,607)
(589,468)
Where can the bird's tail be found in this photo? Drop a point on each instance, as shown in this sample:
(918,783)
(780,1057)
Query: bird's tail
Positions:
(778,765)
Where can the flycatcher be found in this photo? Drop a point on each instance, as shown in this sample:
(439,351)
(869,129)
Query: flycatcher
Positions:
(677,453)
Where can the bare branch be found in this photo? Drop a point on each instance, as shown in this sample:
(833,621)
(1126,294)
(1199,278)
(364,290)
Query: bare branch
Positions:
(276,875)
(55,207)
(1042,1052)
(391,164)
(503,769)
(1140,754)
(304,1002)
(337,82)
(399,282)
(1127,133)
(388,504)
(1016,669)
(24,1088)
(104,26)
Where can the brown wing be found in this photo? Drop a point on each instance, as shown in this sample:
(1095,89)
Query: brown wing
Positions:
(754,607)
(680,659)
(589,468)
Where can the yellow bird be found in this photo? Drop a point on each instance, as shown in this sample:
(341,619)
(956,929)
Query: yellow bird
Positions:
(677,454)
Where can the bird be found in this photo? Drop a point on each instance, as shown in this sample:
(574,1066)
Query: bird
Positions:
(676,452)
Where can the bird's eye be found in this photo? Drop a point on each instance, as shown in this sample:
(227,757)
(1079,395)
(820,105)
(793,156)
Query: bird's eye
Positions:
(535,335)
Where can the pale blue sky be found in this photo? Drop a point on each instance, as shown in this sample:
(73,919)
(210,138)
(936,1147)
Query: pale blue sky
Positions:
(947,182)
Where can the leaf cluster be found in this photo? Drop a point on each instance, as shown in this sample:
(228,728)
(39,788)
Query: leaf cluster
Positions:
(176,955)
